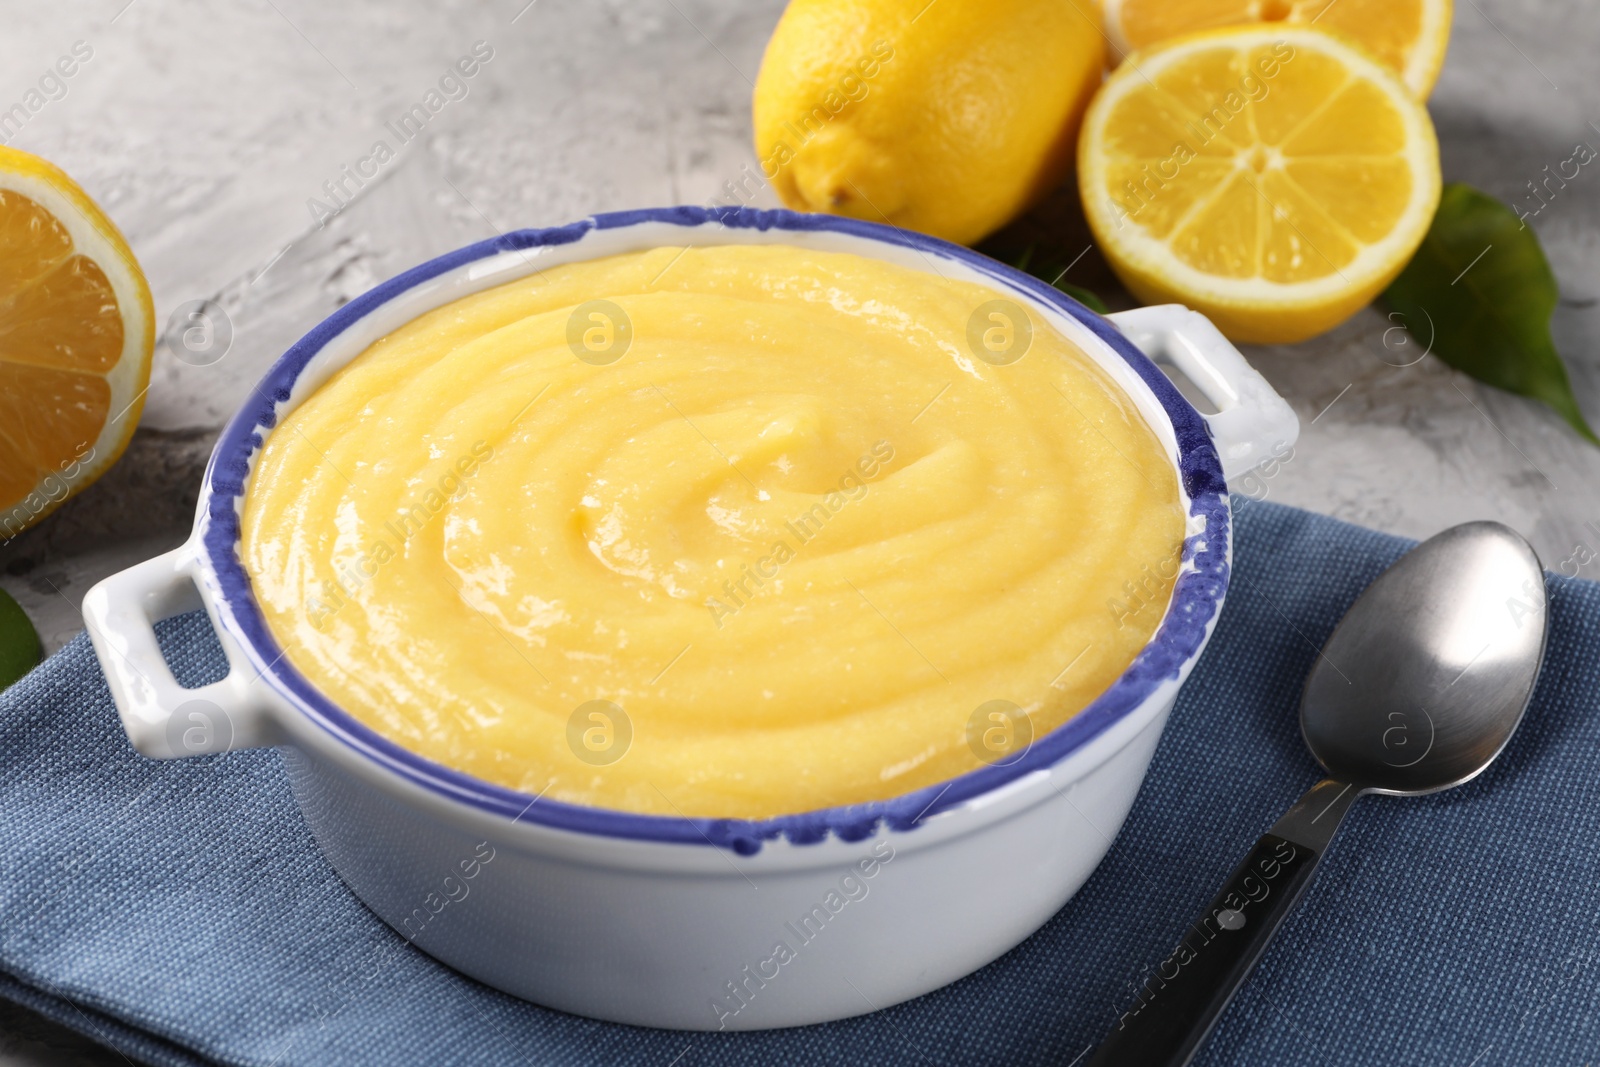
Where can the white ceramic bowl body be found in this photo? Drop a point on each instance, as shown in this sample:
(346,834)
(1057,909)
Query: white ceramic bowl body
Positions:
(677,922)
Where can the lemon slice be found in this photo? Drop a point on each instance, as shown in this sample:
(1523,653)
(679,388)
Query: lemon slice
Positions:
(1273,177)
(1410,36)
(77,329)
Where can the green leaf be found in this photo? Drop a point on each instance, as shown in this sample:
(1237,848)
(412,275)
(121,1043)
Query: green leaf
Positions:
(1052,270)
(1479,293)
(1086,297)
(19,643)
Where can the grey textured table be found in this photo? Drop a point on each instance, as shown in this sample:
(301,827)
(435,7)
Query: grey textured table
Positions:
(206,131)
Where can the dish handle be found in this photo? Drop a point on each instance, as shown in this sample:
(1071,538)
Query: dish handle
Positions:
(163,719)
(1252,424)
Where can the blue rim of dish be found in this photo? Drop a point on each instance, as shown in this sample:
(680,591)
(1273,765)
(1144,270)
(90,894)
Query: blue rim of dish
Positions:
(1196,597)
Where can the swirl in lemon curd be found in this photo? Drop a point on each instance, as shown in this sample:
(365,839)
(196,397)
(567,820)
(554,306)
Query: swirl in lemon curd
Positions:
(730,531)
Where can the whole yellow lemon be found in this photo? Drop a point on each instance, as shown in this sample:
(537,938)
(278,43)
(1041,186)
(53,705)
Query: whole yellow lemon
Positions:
(947,117)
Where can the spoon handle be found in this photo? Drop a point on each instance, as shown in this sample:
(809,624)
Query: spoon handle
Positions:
(1184,996)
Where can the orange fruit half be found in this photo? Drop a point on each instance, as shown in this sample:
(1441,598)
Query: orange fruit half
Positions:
(77,329)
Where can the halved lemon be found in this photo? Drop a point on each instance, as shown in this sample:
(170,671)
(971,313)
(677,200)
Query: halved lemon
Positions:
(77,328)
(1273,177)
(1410,36)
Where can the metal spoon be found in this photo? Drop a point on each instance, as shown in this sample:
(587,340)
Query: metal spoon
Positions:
(1419,689)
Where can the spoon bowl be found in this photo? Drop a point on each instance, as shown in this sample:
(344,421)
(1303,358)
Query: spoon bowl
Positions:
(1427,676)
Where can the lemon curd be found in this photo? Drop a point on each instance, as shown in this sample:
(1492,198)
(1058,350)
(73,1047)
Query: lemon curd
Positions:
(729,531)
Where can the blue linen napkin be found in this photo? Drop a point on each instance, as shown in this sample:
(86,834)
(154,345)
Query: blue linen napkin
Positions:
(180,912)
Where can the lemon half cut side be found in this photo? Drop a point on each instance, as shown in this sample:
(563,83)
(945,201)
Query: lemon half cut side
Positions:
(1273,177)
(77,329)
(1409,36)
